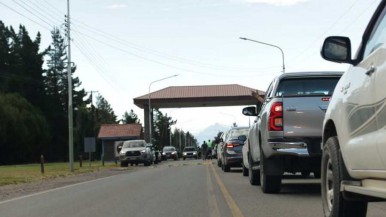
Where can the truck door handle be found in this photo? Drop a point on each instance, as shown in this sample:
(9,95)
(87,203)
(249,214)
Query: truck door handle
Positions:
(291,109)
(370,71)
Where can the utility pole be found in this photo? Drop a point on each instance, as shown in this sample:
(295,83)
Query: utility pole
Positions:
(69,77)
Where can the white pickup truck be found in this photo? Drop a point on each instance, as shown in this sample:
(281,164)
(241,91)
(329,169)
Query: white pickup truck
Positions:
(354,134)
(287,133)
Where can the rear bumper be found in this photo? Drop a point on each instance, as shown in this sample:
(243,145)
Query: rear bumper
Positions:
(234,161)
(295,147)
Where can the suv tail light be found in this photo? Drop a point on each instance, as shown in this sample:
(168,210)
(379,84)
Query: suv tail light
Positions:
(230,145)
(276,117)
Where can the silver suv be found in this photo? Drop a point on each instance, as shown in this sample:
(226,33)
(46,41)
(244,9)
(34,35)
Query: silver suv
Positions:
(354,134)
(287,133)
(135,152)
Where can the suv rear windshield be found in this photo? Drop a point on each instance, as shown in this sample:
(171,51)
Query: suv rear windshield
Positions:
(307,87)
(234,133)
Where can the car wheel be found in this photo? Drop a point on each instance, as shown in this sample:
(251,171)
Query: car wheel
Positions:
(254,175)
(124,164)
(219,163)
(269,183)
(245,171)
(227,168)
(333,172)
(183,158)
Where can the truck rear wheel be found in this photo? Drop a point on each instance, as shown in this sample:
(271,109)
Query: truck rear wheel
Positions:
(245,171)
(334,203)
(269,183)
(254,175)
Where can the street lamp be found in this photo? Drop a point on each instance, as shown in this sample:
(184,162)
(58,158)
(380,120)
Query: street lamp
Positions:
(282,53)
(150,113)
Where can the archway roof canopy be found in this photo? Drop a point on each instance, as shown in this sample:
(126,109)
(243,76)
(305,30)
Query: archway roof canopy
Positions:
(201,96)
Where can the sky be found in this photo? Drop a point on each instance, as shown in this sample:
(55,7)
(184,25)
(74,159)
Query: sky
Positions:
(121,46)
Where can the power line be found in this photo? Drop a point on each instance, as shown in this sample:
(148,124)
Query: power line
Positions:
(156,61)
(32,13)
(43,12)
(160,54)
(325,32)
(25,16)
(155,52)
(147,50)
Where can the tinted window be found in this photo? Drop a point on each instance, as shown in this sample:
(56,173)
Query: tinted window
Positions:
(307,87)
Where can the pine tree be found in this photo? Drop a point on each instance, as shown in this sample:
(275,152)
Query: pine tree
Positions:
(104,112)
(56,88)
(130,118)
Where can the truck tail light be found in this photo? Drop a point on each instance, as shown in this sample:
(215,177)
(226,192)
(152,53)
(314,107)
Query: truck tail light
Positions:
(276,117)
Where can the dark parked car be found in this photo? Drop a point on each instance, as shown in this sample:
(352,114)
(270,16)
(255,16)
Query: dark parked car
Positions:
(232,155)
(169,152)
(189,152)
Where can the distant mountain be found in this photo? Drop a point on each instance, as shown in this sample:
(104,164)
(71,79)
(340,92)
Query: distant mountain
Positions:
(210,132)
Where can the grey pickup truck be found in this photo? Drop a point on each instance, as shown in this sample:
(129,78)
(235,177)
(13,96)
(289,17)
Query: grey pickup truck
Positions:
(287,133)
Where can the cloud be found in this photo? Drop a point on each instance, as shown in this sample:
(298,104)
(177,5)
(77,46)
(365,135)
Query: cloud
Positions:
(277,2)
(117,6)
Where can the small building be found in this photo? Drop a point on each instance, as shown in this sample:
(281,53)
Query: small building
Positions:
(111,134)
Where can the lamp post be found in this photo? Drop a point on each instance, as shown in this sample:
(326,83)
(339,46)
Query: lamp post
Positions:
(150,113)
(272,45)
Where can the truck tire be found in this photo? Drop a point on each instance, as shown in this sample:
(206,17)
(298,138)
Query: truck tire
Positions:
(124,164)
(245,171)
(254,175)
(269,183)
(333,172)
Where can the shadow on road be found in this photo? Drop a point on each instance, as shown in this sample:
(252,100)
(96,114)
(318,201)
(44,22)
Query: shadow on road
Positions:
(301,188)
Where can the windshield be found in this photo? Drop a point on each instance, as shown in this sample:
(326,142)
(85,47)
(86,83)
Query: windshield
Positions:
(133,144)
(189,149)
(169,149)
(307,87)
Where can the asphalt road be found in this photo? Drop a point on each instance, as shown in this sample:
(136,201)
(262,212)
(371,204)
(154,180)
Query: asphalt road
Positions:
(175,189)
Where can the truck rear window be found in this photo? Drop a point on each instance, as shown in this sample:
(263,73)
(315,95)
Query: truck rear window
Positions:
(307,87)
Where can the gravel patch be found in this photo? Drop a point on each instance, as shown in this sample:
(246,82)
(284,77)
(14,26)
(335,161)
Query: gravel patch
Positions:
(11,191)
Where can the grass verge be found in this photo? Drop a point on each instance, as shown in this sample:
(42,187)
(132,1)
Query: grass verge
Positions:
(15,174)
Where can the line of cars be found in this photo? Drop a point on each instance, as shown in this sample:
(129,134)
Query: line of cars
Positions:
(331,124)
(136,152)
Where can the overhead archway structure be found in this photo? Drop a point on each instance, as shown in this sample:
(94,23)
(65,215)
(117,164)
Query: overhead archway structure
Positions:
(197,96)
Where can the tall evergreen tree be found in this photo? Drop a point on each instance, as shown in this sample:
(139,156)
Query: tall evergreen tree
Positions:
(162,130)
(104,112)
(56,88)
(25,66)
(4,57)
(130,118)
